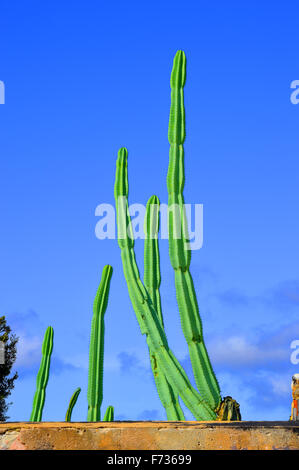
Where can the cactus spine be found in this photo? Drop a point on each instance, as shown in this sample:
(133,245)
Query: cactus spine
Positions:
(96,350)
(152,280)
(146,314)
(72,403)
(42,377)
(109,415)
(180,257)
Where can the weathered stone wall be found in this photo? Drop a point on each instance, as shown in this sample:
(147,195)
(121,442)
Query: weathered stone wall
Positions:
(150,435)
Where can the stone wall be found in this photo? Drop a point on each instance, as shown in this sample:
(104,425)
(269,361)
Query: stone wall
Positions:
(150,435)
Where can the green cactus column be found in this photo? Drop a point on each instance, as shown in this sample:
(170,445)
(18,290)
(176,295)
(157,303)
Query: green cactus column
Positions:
(180,256)
(146,315)
(73,401)
(42,377)
(152,281)
(96,350)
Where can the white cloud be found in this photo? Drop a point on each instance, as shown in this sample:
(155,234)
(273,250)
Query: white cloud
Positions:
(28,350)
(238,350)
(281,384)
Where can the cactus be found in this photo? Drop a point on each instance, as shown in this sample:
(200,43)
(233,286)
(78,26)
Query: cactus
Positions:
(96,350)
(180,257)
(42,377)
(147,316)
(171,379)
(72,403)
(109,415)
(152,280)
(228,410)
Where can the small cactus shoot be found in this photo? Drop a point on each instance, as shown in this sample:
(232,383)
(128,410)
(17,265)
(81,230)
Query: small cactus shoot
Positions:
(73,401)
(229,410)
(42,377)
(109,415)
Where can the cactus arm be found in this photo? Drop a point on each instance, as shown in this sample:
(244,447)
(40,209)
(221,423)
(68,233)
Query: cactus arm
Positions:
(146,315)
(152,281)
(168,397)
(42,377)
(96,349)
(180,257)
(109,415)
(152,275)
(72,403)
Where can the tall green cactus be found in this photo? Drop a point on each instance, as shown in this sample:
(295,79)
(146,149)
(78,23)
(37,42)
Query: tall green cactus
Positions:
(171,379)
(152,280)
(42,377)
(146,314)
(180,255)
(72,403)
(96,350)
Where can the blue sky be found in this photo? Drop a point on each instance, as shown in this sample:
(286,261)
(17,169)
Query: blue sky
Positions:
(83,79)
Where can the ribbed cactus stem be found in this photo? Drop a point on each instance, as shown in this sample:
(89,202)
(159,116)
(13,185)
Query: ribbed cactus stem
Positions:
(109,415)
(152,275)
(96,350)
(146,314)
(73,401)
(152,281)
(42,376)
(180,256)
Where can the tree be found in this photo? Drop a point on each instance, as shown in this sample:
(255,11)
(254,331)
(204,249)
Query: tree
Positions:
(10,352)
